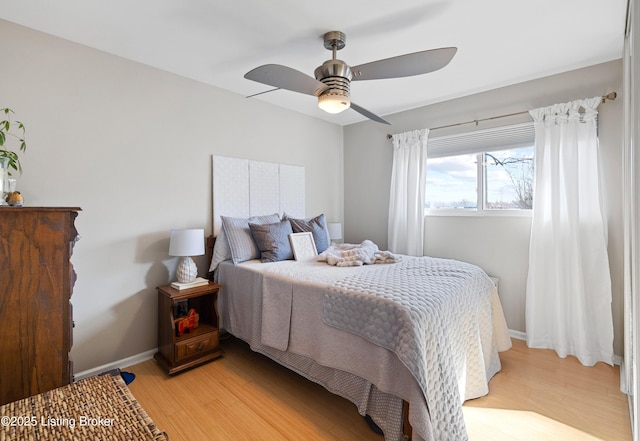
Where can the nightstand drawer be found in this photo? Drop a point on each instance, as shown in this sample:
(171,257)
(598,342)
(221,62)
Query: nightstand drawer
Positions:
(196,345)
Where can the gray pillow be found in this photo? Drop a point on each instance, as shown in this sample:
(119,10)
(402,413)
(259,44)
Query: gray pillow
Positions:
(239,238)
(273,240)
(316,226)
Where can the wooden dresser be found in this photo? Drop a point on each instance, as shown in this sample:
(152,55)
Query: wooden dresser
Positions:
(36,282)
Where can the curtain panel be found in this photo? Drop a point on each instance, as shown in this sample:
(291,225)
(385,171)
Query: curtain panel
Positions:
(407,195)
(630,373)
(568,297)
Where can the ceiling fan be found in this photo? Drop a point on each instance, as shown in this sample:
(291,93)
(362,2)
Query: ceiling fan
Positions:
(332,82)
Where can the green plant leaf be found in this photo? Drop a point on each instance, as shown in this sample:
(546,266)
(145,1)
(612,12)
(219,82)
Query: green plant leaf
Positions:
(5,130)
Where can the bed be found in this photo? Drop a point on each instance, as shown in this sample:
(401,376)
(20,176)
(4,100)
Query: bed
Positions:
(406,341)
(421,331)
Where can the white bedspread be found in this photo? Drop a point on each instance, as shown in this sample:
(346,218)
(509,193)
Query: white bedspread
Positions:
(435,315)
(285,320)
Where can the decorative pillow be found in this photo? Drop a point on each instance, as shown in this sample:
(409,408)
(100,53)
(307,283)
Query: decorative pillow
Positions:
(273,240)
(241,243)
(318,228)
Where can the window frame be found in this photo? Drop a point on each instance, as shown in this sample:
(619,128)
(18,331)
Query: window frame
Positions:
(480,142)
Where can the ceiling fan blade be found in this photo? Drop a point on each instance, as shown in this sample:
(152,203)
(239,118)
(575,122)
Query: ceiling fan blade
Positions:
(365,112)
(284,77)
(263,92)
(406,65)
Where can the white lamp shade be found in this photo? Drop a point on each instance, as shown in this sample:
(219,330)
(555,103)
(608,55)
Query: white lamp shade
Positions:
(335,230)
(188,242)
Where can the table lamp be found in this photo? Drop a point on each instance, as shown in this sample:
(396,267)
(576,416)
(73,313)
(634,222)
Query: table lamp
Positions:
(186,243)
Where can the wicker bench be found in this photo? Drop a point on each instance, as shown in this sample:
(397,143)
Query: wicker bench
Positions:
(96,408)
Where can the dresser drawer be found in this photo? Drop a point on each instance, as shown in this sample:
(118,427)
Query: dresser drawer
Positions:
(196,345)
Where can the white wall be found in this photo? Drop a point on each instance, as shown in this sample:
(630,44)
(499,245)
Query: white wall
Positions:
(500,245)
(131,145)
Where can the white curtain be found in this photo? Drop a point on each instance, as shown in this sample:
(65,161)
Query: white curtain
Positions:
(568,302)
(407,196)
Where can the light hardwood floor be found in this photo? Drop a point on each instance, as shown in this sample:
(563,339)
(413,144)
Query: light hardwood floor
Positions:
(245,396)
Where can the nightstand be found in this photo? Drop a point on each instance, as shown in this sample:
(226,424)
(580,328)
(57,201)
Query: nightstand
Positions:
(196,346)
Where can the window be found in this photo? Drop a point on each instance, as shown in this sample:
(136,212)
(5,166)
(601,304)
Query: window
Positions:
(508,179)
(486,170)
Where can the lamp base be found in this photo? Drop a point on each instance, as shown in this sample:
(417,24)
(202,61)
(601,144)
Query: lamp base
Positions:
(187,270)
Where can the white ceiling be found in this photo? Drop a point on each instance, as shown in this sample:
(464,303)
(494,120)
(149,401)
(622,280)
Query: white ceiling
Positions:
(500,42)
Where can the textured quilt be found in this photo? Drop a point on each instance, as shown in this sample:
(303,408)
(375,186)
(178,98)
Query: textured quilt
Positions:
(436,316)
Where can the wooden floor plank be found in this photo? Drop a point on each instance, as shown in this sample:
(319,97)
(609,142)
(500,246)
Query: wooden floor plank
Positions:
(246,396)
(539,392)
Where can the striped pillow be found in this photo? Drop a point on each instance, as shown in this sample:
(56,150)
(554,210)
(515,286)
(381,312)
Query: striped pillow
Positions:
(239,238)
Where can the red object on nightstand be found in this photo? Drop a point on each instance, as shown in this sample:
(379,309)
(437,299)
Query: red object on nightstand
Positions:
(188,323)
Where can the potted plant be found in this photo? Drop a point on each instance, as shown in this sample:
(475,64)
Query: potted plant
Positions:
(11,130)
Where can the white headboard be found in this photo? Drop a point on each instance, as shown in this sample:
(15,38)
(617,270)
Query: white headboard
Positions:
(245,188)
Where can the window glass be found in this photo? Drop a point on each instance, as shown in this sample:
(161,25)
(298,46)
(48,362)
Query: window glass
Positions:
(452,182)
(509,179)
(503,181)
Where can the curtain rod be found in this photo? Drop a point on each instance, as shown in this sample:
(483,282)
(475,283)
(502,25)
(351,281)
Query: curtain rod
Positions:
(610,96)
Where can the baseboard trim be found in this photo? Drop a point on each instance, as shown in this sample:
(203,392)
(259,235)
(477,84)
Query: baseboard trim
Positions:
(618,360)
(125,362)
(519,335)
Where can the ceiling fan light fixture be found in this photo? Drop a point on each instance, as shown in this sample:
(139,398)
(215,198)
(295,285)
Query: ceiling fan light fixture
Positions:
(334,102)
(333,78)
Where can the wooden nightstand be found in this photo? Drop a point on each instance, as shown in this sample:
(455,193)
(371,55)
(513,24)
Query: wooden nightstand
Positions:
(202,344)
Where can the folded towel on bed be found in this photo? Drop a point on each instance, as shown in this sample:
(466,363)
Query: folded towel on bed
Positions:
(365,253)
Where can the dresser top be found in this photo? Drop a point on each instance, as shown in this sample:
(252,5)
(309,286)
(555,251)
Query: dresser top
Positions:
(27,208)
